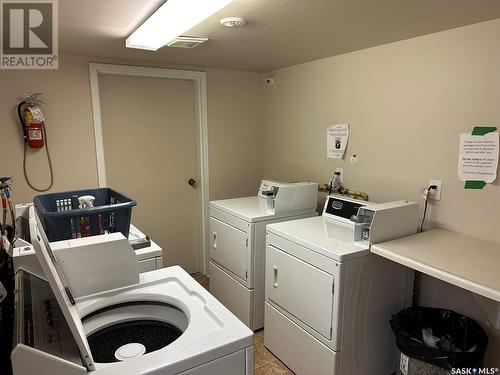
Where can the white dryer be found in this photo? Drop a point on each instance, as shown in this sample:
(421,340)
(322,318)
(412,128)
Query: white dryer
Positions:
(328,299)
(160,322)
(237,243)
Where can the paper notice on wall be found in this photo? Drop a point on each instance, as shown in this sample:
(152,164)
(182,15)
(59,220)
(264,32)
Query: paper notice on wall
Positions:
(337,137)
(478,157)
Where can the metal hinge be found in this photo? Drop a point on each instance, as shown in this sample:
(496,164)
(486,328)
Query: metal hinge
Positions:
(246,242)
(70,296)
(333,288)
(246,275)
(331,331)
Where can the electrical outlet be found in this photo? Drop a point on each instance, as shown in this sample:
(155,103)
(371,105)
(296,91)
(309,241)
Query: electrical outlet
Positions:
(422,192)
(341,171)
(354,158)
(435,194)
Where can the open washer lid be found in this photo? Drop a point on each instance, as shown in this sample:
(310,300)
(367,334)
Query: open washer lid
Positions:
(60,288)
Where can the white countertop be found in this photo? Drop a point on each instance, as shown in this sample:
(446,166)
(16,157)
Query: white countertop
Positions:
(464,261)
(327,237)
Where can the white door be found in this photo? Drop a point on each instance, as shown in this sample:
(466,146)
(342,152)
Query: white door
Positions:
(301,289)
(229,247)
(149,135)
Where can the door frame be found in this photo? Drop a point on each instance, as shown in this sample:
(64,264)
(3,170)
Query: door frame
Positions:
(200,85)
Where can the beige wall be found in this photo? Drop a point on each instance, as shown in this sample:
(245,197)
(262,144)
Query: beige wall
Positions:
(233,119)
(406,103)
(66,93)
(235,133)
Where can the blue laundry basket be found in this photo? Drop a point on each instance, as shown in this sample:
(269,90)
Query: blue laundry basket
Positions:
(62,219)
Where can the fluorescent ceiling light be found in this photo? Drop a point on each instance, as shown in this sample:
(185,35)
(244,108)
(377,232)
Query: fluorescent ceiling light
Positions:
(172,19)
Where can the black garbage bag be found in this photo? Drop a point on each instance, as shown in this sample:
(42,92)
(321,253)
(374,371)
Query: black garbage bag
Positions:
(462,341)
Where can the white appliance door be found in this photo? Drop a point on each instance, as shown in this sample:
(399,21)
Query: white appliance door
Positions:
(304,291)
(229,247)
(233,294)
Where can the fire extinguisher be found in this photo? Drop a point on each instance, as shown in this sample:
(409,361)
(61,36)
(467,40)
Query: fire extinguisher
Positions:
(33,128)
(32,121)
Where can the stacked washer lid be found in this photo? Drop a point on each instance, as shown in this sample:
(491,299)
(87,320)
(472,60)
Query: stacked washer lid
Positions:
(166,323)
(328,299)
(237,247)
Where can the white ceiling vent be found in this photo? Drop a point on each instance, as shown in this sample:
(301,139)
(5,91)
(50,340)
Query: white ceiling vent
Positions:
(187,41)
(233,21)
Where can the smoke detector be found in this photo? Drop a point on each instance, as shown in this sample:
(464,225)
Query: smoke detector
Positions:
(187,41)
(269,81)
(233,21)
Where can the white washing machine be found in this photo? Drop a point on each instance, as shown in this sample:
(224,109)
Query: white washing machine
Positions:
(149,257)
(159,322)
(238,241)
(328,299)
(149,254)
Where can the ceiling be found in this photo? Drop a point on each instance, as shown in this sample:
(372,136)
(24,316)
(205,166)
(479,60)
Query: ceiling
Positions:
(278,33)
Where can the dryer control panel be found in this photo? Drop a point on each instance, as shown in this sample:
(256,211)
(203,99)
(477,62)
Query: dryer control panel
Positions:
(342,208)
(385,221)
(284,197)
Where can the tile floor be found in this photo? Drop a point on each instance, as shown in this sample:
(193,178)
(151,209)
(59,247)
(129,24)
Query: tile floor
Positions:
(265,362)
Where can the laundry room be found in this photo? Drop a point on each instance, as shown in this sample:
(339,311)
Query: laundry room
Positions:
(321,175)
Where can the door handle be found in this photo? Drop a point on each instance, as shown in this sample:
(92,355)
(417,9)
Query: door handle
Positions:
(215,240)
(275,271)
(193,182)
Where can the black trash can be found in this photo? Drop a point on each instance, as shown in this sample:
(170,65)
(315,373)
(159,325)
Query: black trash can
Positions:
(434,341)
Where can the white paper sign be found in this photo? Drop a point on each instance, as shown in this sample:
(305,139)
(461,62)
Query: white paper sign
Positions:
(336,141)
(478,157)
